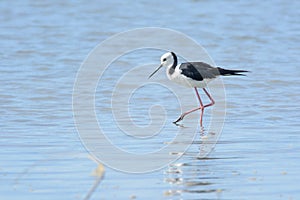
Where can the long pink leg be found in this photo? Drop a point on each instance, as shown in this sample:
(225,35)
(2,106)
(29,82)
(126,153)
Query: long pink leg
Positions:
(210,98)
(207,105)
(200,108)
(188,112)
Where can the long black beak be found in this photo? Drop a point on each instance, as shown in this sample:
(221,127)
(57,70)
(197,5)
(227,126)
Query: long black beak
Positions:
(155,71)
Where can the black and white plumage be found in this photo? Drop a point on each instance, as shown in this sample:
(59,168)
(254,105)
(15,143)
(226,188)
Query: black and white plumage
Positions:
(193,74)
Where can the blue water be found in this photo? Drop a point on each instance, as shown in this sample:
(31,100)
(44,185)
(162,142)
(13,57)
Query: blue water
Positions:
(42,47)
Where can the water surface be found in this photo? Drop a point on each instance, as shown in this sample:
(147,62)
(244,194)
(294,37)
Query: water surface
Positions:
(42,47)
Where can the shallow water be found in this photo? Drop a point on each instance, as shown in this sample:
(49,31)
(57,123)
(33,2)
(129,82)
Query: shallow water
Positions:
(42,47)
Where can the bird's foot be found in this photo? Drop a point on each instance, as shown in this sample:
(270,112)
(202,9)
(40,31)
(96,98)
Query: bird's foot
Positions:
(179,119)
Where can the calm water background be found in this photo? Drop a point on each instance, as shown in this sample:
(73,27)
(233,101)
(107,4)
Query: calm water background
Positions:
(43,45)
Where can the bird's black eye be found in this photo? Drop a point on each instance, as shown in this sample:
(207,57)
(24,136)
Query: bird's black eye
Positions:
(164,59)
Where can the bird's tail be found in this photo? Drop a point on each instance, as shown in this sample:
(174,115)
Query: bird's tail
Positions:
(228,72)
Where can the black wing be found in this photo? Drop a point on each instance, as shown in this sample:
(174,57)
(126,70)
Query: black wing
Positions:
(199,70)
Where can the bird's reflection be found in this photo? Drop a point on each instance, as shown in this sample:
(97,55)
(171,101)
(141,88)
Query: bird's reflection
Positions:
(193,172)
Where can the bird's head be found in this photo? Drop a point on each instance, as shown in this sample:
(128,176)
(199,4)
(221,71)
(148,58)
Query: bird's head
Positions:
(167,60)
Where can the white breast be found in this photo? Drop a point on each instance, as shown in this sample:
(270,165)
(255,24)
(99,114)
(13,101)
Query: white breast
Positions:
(179,78)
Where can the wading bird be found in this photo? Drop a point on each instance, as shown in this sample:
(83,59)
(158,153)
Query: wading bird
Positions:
(194,75)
